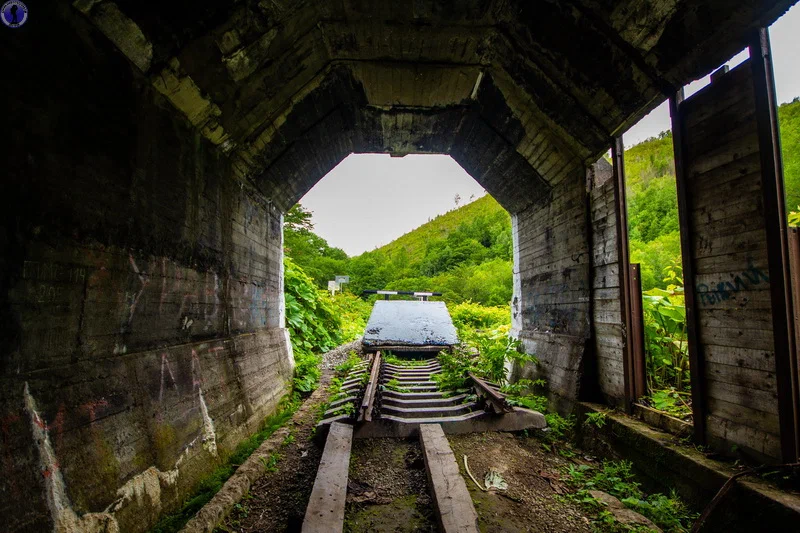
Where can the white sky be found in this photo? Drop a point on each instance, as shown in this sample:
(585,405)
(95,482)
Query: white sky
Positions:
(785,50)
(369,200)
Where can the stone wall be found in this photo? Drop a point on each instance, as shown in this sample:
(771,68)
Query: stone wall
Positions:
(141,293)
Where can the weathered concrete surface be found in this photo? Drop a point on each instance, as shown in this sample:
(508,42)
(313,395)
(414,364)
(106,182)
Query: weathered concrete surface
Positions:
(140,292)
(409,323)
(152,150)
(552,288)
(252,78)
(753,504)
(237,486)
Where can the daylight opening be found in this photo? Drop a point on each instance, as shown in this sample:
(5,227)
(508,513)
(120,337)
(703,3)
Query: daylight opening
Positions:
(419,222)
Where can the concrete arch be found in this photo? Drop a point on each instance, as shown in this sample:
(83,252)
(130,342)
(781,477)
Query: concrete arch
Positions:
(152,151)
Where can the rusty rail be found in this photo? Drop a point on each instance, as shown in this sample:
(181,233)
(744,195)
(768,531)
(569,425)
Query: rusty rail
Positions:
(372,386)
(494,398)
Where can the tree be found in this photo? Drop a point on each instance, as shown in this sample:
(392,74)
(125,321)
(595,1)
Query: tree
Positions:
(298,219)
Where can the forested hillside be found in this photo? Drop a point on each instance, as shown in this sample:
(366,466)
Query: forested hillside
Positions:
(789,119)
(467,252)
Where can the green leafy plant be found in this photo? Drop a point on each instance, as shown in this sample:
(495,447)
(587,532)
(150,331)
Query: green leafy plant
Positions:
(521,394)
(313,325)
(270,463)
(391,359)
(394,385)
(617,478)
(484,353)
(597,420)
(352,360)
(558,427)
(672,402)
(345,409)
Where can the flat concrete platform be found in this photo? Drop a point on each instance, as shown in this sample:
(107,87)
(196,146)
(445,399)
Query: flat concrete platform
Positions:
(409,323)
(456,511)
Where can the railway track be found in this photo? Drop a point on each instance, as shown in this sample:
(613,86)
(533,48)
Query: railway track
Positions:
(381,399)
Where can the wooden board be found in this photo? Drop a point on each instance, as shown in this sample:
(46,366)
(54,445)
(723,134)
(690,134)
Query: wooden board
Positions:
(726,215)
(325,511)
(450,495)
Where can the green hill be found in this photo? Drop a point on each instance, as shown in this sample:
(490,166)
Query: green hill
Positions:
(414,243)
(789,120)
(466,253)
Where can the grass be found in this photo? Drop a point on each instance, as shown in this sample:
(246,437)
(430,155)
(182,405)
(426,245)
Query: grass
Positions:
(352,360)
(394,385)
(211,484)
(617,479)
(390,359)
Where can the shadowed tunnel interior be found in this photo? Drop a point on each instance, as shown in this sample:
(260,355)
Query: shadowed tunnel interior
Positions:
(153,149)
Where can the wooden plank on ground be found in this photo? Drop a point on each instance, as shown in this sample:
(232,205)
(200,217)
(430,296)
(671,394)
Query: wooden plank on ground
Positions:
(325,511)
(450,494)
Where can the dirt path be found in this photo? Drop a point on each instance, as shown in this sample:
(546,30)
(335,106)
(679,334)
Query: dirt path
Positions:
(277,501)
(531,502)
(387,491)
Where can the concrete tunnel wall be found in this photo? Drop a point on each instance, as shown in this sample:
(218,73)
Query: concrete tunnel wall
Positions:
(142,280)
(148,168)
(141,304)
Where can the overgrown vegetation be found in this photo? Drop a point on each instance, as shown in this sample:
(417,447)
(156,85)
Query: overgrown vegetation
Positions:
(314,327)
(617,479)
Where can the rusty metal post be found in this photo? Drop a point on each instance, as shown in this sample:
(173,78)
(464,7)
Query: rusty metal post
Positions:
(618,161)
(777,243)
(637,333)
(697,372)
(794,267)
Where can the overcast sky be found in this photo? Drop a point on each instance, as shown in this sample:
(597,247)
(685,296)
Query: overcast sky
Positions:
(369,200)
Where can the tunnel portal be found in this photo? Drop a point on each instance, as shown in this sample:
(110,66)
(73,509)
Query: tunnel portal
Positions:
(154,148)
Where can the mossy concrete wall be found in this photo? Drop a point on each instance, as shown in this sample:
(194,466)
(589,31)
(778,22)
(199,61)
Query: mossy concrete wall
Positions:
(140,292)
(668,463)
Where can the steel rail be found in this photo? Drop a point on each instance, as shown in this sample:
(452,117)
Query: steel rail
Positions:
(372,386)
(495,399)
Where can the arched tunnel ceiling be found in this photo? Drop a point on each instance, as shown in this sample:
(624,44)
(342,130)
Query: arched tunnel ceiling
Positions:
(520,93)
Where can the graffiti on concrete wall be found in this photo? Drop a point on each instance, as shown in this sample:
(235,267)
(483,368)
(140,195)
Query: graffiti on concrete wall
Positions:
(725,290)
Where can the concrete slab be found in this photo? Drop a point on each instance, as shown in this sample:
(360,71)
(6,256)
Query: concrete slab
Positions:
(325,511)
(390,426)
(450,495)
(409,323)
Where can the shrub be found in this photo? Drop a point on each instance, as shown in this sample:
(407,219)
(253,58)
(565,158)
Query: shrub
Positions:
(314,327)
(471,316)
